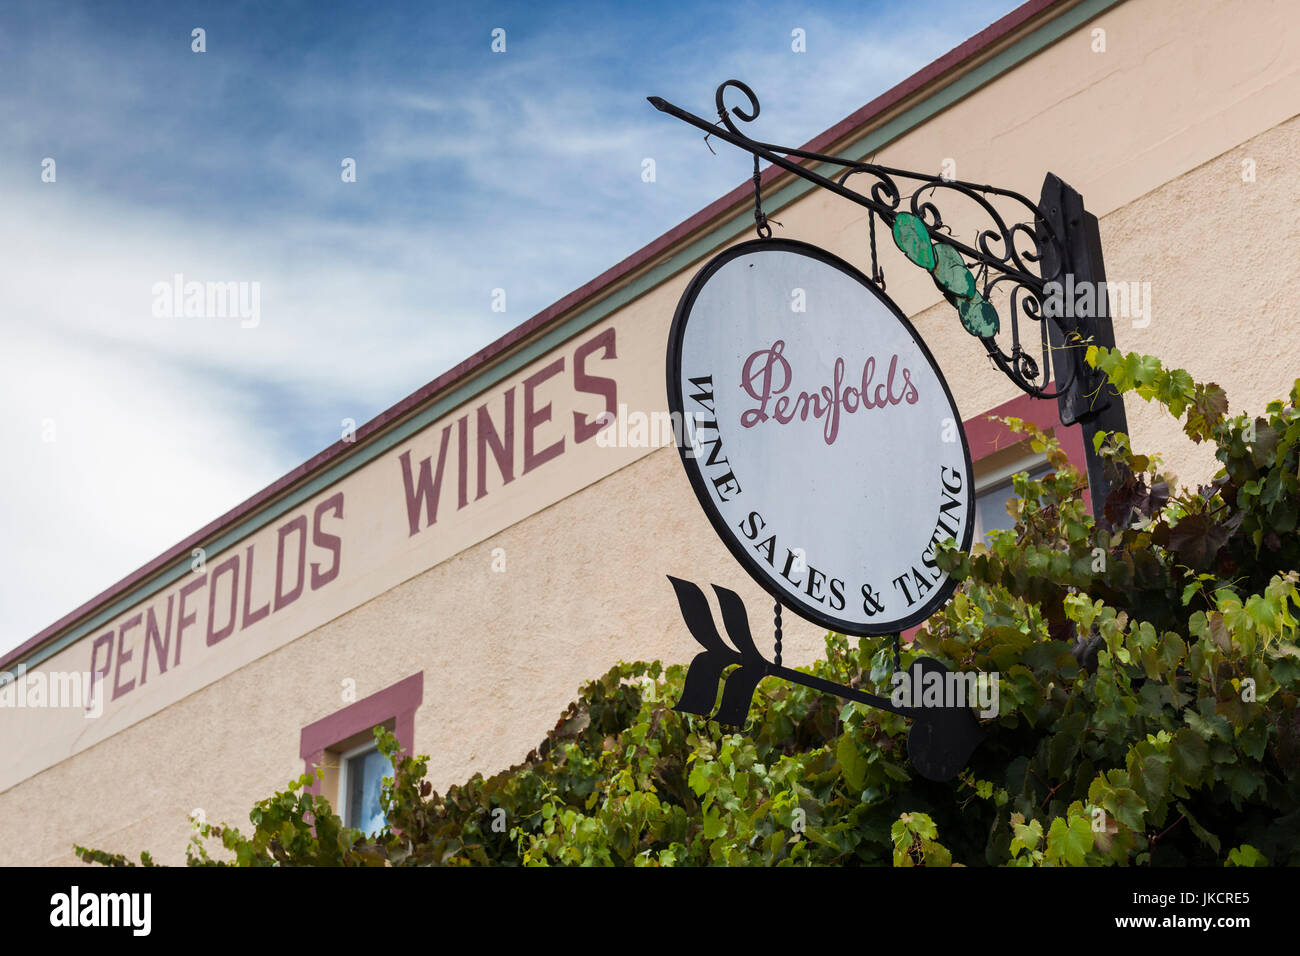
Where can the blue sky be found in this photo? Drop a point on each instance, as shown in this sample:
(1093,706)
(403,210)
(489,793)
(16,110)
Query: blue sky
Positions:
(125,432)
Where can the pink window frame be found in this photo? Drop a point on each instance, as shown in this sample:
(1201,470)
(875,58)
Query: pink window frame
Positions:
(397,703)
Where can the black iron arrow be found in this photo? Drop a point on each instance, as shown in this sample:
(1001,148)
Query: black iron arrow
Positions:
(939,743)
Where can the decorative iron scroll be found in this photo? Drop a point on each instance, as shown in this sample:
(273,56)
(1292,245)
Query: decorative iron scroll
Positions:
(1006,257)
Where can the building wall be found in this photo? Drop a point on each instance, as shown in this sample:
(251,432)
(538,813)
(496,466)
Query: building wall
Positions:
(1152,132)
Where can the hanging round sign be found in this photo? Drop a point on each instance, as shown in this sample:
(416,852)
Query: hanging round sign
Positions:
(819,436)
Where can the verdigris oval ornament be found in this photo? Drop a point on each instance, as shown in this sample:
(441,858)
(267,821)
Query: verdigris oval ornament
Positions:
(979,317)
(911,236)
(950,271)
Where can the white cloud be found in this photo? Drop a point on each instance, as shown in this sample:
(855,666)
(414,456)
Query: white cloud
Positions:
(139,461)
(160,424)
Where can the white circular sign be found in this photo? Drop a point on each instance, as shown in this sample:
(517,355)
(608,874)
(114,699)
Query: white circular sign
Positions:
(819,436)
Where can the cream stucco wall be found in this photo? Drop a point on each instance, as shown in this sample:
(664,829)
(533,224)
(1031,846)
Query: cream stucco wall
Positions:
(1153,133)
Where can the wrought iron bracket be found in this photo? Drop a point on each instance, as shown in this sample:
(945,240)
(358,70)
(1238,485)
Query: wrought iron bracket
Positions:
(1034,258)
(1004,256)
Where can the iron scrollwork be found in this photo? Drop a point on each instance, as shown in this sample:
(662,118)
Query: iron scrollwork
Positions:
(1005,258)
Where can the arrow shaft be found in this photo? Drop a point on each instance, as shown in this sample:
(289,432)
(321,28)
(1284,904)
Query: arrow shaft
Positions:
(765,150)
(840,690)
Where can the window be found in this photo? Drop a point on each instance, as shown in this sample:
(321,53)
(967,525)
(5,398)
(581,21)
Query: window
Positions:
(342,746)
(995,489)
(361,772)
(997,454)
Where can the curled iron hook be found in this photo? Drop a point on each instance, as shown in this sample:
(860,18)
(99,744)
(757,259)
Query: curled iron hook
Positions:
(725,115)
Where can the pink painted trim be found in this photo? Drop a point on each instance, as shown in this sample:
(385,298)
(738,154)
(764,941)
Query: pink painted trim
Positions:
(739,196)
(987,437)
(397,703)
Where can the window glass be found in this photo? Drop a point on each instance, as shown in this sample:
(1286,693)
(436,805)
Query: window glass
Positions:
(364,774)
(991,504)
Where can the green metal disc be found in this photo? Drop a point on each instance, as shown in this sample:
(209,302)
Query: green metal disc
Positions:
(911,237)
(950,271)
(979,317)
